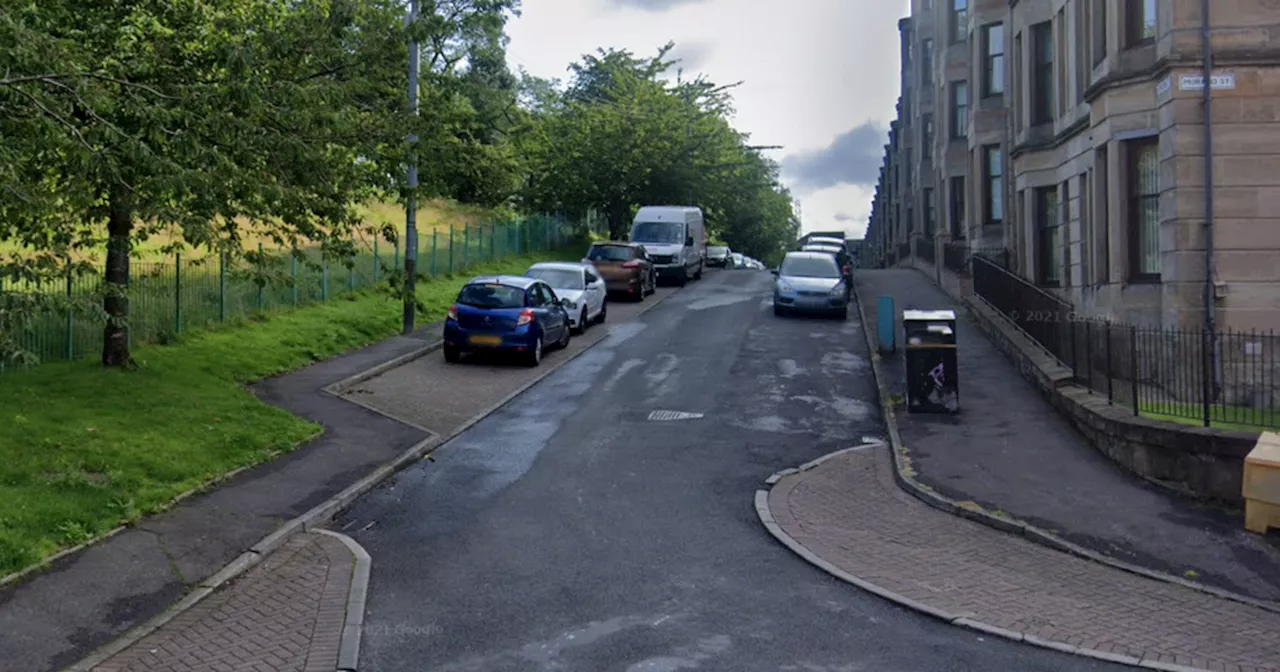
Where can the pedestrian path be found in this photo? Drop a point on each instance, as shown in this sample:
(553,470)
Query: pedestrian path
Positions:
(285,615)
(1010,450)
(850,514)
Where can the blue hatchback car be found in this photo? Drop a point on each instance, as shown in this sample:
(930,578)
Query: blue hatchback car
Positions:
(506,313)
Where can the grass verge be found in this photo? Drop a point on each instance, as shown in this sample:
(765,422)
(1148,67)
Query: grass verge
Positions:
(84,449)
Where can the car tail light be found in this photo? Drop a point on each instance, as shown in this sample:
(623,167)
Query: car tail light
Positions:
(453,312)
(634,263)
(525,318)
(845,270)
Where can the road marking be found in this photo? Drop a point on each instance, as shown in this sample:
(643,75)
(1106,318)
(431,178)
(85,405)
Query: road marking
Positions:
(673,415)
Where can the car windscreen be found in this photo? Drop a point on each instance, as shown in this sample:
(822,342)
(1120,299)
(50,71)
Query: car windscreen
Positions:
(491,295)
(558,278)
(809,267)
(717,251)
(609,253)
(663,233)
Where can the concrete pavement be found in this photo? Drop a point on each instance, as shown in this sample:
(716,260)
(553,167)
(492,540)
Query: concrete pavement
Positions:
(570,531)
(849,512)
(1009,450)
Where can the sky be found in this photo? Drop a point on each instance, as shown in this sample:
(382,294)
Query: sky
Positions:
(819,77)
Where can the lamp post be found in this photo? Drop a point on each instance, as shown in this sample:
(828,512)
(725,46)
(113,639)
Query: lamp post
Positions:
(411,203)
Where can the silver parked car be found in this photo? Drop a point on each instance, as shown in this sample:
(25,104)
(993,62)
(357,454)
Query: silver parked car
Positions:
(580,288)
(810,282)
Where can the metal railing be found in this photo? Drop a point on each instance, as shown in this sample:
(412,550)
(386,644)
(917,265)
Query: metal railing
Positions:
(1225,379)
(171,297)
(955,257)
(925,250)
(1039,314)
(904,251)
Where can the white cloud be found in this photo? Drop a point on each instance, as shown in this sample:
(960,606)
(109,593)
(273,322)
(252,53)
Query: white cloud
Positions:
(811,69)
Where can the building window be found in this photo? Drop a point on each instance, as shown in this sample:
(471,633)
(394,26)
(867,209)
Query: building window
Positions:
(993,59)
(1042,84)
(959,109)
(955,208)
(993,187)
(926,137)
(1099,31)
(926,62)
(1144,208)
(959,20)
(929,212)
(1048,236)
(1140,21)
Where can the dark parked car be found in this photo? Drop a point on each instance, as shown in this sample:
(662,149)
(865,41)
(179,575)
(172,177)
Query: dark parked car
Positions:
(625,267)
(505,313)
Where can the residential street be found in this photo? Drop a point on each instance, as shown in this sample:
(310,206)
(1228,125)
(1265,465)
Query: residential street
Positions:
(568,531)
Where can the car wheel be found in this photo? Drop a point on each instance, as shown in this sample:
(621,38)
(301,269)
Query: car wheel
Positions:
(564,337)
(697,275)
(534,356)
(653,283)
(582,322)
(843,314)
(683,279)
(604,312)
(779,310)
(452,355)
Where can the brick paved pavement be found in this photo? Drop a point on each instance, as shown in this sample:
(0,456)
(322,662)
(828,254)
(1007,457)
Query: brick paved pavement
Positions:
(286,614)
(849,512)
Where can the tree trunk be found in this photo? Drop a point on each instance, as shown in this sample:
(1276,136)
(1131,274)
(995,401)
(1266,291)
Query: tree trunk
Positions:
(115,336)
(619,221)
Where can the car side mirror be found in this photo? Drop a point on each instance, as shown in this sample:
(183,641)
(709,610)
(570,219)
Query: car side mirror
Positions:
(688,242)
(773,271)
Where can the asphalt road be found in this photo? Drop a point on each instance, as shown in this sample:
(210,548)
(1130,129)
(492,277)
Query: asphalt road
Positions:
(569,532)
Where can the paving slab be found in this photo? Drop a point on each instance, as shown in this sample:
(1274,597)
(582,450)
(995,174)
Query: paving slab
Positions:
(438,396)
(1009,450)
(284,615)
(849,512)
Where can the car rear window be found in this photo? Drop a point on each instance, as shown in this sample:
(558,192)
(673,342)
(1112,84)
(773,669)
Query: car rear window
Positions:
(809,267)
(491,295)
(560,278)
(609,253)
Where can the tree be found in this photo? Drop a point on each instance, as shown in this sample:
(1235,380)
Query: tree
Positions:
(202,116)
(620,136)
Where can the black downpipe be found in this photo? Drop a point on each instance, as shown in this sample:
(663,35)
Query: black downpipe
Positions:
(1210,266)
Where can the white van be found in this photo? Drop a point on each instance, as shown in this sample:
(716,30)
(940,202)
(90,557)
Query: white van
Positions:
(675,237)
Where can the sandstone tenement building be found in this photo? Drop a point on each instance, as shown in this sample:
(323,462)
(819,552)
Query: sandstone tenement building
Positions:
(1070,135)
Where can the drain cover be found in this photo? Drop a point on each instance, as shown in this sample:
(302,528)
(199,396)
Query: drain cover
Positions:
(673,415)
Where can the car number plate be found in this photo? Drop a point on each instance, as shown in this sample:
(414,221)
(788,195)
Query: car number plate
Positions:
(488,341)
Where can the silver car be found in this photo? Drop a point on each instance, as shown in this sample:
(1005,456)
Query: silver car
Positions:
(810,282)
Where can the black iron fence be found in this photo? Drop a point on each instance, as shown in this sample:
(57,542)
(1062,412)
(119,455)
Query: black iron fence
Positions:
(957,257)
(1226,379)
(904,251)
(925,250)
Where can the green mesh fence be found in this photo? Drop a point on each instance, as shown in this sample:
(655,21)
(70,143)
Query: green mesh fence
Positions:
(169,298)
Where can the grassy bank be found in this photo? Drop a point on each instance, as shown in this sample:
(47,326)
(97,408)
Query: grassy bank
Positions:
(436,216)
(83,449)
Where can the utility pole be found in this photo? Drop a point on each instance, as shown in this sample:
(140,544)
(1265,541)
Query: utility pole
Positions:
(411,203)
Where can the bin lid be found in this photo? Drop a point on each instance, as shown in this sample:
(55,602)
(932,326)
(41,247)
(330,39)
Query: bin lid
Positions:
(928,315)
(1266,452)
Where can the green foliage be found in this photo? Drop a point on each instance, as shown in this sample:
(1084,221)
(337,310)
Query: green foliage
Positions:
(621,135)
(275,120)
